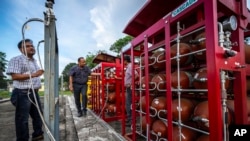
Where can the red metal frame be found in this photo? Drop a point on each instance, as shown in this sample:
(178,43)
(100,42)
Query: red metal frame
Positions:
(99,99)
(207,13)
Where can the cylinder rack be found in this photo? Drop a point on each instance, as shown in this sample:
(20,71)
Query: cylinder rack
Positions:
(193,61)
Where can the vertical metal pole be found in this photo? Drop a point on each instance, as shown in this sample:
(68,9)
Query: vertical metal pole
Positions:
(51,100)
(62,83)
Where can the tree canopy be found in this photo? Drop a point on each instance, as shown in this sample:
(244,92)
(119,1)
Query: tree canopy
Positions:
(119,44)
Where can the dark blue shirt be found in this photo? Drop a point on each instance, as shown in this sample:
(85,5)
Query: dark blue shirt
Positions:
(80,75)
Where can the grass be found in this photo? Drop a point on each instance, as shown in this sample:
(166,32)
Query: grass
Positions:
(7,94)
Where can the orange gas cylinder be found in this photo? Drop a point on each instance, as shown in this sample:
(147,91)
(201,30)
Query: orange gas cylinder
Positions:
(247,53)
(110,87)
(201,115)
(143,81)
(203,138)
(186,134)
(200,79)
(183,49)
(230,104)
(158,105)
(157,59)
(111,97)
(248,84)
(185,79)
(144,123)
(158,82)
(111,108)
(143,102)
(186,109)
(160,128)
(198,44)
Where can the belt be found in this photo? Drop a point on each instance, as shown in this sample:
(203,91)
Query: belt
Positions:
(27,90)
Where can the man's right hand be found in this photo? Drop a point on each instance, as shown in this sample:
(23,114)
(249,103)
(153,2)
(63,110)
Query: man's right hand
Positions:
(38,73)
(71,88)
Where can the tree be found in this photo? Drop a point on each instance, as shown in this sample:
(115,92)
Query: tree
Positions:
(65,72)
(3,62)
(89,60)
(119,44)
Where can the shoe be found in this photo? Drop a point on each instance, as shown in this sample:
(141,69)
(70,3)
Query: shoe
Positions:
(79,114)
(37,138)
(84,113)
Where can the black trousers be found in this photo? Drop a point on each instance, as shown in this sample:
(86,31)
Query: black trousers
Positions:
(81,104)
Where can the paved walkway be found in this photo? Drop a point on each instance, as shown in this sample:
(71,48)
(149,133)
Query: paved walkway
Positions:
(72,128)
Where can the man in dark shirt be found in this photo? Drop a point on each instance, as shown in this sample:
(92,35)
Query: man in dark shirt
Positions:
(78,78)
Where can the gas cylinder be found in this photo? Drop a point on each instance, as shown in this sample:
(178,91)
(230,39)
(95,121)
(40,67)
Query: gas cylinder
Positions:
(159,103)
(144,123)
(183,49)
(111,97)
(200,79)
(230,104)
(157,59)
(247,53)
(201,115)
(185,79)
(143,102)
(110,87)
(248,84)
(143,81)
(186,134)
(197,44)
(186,108)
(160,128)
(203,138)
(158,82)
(111,108)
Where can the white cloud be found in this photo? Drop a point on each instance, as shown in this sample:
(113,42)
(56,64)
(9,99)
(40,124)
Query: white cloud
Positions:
(82,25)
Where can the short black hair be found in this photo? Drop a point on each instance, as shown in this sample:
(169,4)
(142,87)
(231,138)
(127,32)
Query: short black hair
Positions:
(127,58)
(80,59)
(19,45)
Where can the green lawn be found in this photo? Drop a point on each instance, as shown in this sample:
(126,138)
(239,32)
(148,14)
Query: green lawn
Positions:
(6,94)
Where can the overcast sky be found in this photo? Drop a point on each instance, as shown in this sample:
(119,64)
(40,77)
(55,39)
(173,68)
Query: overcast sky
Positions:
(82,25)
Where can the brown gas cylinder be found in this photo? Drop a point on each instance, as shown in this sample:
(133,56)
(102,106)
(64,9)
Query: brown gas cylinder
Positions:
(160,128)
(248,84)
(198,45)
(230,104)
(111,97)
(159,103)
(183,49)
(247,53)
(203,138)
(110,87)
(157,59)
(201,112)
(158,82)
(200,79)
(201,115)
(186,134)
(185,79)
(186,109)
(144,122)
(111,108)
(143,102)
(143,81)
